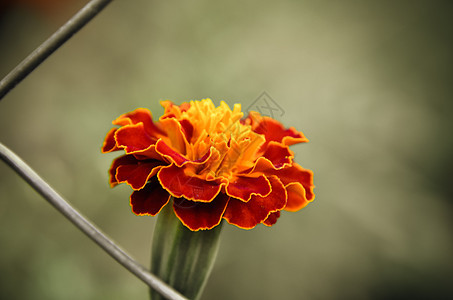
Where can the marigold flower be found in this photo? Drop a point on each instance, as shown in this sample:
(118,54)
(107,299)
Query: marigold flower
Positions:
(215,163)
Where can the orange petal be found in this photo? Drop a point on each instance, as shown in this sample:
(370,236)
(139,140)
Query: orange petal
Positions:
(172,110)
(247,215)
(175,135)
(180,184)
(243,187)
(149,200)
(296,197)
(198,215)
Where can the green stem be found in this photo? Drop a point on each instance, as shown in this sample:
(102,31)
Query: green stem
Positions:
(181,257)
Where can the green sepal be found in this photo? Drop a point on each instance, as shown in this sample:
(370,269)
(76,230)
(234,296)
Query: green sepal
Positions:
(181,257)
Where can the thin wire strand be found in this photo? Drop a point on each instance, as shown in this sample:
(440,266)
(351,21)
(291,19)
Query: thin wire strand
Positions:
(30,176)
(64,33)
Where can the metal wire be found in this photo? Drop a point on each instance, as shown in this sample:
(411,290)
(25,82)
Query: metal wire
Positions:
(21,71)
(80,19)
(30,176)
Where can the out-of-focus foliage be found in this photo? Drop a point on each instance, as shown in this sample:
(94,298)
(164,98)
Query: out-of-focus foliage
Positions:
(368,82)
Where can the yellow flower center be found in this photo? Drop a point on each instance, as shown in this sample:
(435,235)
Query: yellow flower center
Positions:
(234,146)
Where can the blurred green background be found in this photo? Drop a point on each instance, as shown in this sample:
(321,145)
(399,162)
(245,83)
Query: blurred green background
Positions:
(368,82)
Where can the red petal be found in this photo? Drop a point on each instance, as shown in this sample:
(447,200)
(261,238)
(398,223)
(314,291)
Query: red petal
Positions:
(296,197)
(278,154)
(274,131)
(307,182)
(150,199)
(149,153)
(170,109)
(272,218)
(175,157)
(296,173)
(187,129)
(247,215)
(244,187)
(133,138)
(163,149)
(198,215)
(136,175)
(180,184)
(292,174)
(109,142)
(140,115)
(122,160)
